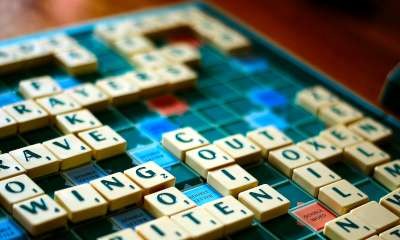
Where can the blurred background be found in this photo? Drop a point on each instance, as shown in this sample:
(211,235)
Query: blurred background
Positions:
(356,42)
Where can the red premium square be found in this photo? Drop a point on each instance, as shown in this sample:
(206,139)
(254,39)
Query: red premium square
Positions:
(168,105)
(314,215)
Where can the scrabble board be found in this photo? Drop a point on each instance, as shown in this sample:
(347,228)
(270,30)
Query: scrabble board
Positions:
(139,126)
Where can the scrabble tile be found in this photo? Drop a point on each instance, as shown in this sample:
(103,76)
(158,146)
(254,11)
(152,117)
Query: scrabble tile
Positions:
(36,160)
(130,45)
(365,156)
(111,32)
(8,59)
(8,125)
(150,177)
(231,180)
(391,201)
(32,52)
(58,104)
(199,224)
(16,189)
(149,60)
(288,158)
(181,140)
(77,60)
(268,138)
(371,130)
(321,149)
(315,98)
(162,228)
(149,83)
(38,87)
(391,234)
(28,115)
(118,190)
(375,237)
(81,202)
(59,41)
(230,41)
(178,76)
(231,213)
(77,121)
(9,167)
(376,216)
(89,96)
(339,113)
(70,150)
(167,202)
(118,89)
(40,214)
(388,174)
(341,196)
(124,234)
(181,53)
(207,158)
(340,136)
(104,141)
(240,148)
(314,176)
(347,227)
(265,202)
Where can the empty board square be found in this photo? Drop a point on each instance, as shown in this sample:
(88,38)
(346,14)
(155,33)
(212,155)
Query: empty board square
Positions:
(11,143)
(265,118)
(244,84)
(153,152)
(9,97)
(236,127)
(213,134)
(311,127)
(155,127)
(219,91)
(117,163)
(217,114)
(292,113)
(10,230)
(134,138)
(202,194)
(62,235)
(268,98)
(95,229)
(265,174)
(185,177)
(52,183)
(191,119)
(242,106)
(66,81)
(372,189)
(113,118)
(286,227)
(347,172)
(296,195)
(250,63)
(136,112)
(194,98)
(253,232)
(295,135)
(40,135)
(84,174)
(131,217)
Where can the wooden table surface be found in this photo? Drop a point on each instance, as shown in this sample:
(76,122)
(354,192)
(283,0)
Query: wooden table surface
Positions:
(356,44)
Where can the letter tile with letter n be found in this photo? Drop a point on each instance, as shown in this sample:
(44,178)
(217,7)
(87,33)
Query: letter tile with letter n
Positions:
(8,125)
(342,196)
(104,141)
(28,114)
(40,214)
(207,158)
(340,136)
(81,202)
(36,159)
(231,213)
(313,176)
(268,138)
(167,202)
(77,121)
(9,167)
(150,177)
(70,150)
(321,149)
(391,201)
(240,148)
(231,180)
(365,156)
(265,202)
(17,189)
(199,224)
(124,234)
(347,227)
(58,104)
(89,96)
(162,228)
(388,174)
(118,190)
(371,130)
(288,158)
(181,140)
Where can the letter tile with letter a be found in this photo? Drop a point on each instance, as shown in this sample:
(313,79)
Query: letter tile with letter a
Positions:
(167,202)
